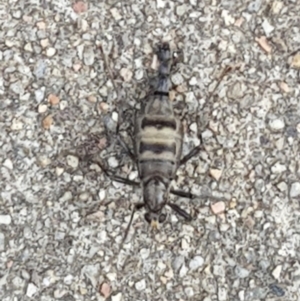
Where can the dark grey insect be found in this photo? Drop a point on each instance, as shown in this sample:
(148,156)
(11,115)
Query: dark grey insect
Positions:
(158,138)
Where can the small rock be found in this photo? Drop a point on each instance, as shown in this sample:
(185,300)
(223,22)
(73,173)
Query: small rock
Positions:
(42,108)
(178,262)
(267,27)
(8,164)
(126,74)
(92,98)
(59,293)
(9,43)
(263,43)
(72,161)
(53,99)
(276,124)
(77,67)
(67,196)
(16,125)
(177,79)
(196,263)
(140,285)
(50,51)
(276,272)
(160,4)
(2,242)
(116,14)
(276,7)
(295,190)
(278,168)
(241,272)
(276,290)
(296,61)
(88,56)
(215,173)
(80,7)
(105,290)
(39,94)
(47,122)
(17,14)
(218,207)
(113,162)
(117,297)
(17,88)
(228,19)
(59,171)
(254,6)
(189,291)
(44,161)
(284,87)
(181,9)
(44,43)
(28,47)
(41,25)
(40,69)
(31,290)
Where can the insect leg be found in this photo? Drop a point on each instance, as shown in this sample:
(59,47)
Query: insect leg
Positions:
(136,207)
(195,151)
(180,211)
(183,194)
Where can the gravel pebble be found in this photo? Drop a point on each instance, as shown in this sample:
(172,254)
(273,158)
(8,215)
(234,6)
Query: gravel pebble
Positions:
(218,207)
(5,219)
(295,190)
(277,271)
(72,161)
(117,297)
(196,263)
(2,242)
(50,52)
(241,272)
(276,125)
(31,290)
(140,285)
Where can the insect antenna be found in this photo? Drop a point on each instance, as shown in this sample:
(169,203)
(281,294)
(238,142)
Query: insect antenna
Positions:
(136,207)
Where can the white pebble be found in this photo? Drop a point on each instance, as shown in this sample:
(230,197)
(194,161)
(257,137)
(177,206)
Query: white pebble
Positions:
(276,124)
(277,271)
(31,290)
(112,162)
(140,285)
(50,51)
(117,297)
(2,242)
(295,190)
(241,272)
(102,194)
(267,27)
(42,108)
(193,81)
(115,116)
(16,125)
(72,161)
(196,262)
(5,219)
(278,168)
(67,196)
(8,163)
(126,74)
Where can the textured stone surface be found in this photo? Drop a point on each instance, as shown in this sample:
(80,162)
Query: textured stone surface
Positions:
(62,220)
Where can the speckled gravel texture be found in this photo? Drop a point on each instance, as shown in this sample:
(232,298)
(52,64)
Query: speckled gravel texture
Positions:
(62,219)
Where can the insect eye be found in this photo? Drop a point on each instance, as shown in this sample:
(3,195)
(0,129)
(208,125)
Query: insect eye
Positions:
(147,217)
(162,218)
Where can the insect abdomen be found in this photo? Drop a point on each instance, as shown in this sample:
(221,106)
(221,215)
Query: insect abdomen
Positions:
(158,132)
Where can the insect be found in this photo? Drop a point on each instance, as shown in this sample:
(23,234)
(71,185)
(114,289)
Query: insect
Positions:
(158,140)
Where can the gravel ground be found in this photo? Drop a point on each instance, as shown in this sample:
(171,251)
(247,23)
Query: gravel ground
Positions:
(61,218)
